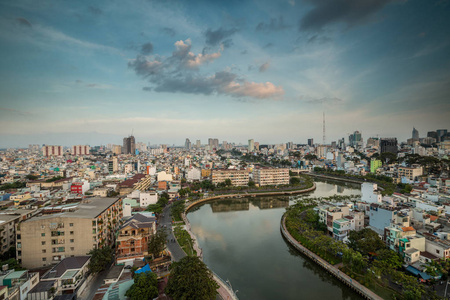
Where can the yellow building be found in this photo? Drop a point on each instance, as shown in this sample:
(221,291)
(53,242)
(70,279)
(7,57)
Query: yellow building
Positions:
(271,176)
(237,177)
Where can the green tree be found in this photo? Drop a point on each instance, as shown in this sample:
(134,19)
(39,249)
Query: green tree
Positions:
(163,199)
(145,286)
(387,260)
(31,177)
(157,243)
(294,180)
(100,259)
(190,278)
(251,183)
(228,182)
(365,241)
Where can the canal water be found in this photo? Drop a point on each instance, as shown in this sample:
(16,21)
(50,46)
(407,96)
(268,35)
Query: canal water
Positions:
(242,243)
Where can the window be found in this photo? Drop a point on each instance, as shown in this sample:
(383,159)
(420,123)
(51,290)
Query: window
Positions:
(43,243)
(71,224)
(43,234)
(437,251)
(44,259)
(71,232)
(44,251)
(72,248)
(71,240)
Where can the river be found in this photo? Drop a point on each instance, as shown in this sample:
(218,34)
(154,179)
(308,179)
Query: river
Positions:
(241,242)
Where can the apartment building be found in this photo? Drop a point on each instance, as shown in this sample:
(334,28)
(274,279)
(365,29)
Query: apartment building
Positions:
(410,173)
(271,176)
(80,150)
(47,239)
(237,177)
(52,151)
(132,241)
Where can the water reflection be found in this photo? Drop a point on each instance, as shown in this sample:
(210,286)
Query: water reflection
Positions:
(243,204)
(245,246)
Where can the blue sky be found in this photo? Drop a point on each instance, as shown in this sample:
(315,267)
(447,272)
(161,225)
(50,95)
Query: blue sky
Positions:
(77,72)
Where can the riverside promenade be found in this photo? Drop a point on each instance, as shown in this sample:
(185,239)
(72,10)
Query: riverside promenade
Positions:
(355,285)
(336,178)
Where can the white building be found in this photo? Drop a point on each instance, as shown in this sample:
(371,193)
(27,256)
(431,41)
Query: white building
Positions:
(369,193)
(147,198)
(193,174)
(163,176)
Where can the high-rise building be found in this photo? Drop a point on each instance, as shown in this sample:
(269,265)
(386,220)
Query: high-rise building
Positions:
(80,150)
(52,151)
(257,146)
(213,144)
(415,134)
(355,139)
(113,165)
(310,142)
(198,144)
(225,145)
(187,144)
(129,145)
(440,134)
(251,145)
(388,145)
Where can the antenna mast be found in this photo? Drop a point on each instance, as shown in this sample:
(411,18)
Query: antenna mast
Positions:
(324,128)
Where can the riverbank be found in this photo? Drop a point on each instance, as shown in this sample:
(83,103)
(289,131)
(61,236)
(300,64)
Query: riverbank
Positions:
(356,286)
(227,196)
(336,178)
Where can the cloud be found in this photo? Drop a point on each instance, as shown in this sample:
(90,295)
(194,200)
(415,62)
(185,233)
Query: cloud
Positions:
(318,39)
(179,74)
(273,25)
(24,22)
(95,10)
(214,37)
(268,45)
(147,48)
(264,67)
(15,111)
(243,52)
(349,12)
(93,85)
(169,31)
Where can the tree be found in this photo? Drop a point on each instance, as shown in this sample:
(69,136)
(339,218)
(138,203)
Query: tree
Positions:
(228,182)
(294,180)
(163,199)
(100,259)
(31,177)
(365,241)
(145,286)
(190,278)
(310,156)
(251,183)
(157,243)
(387,260)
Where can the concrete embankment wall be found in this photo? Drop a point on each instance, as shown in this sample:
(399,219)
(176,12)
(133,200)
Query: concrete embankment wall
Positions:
(347,280)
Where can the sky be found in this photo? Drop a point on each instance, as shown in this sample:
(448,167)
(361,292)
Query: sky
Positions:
(93,72)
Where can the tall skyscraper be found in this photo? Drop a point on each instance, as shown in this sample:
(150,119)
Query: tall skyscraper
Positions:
(198,144)
(310,142)
(129,145)
(388,145)
(415,134)
(187,144)
(440,134)
(251,145)
(355,139)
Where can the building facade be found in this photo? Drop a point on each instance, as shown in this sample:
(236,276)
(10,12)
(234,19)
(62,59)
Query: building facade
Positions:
(237,177)
(271,176)
(47,239)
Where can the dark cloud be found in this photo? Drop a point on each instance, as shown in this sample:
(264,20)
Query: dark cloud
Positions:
(78,81)
(147,48)
(318,39)
(227,43)
(273,25)
(214,37)
(169,31)
(23,22)
(268,45)
(262,68)
(178,74)
(95,10)
(243,52)
(348,12)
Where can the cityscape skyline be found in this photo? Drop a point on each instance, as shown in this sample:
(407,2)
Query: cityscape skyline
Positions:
(77,73)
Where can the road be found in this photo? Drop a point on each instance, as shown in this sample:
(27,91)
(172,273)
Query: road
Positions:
(93,286)
(174,247)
